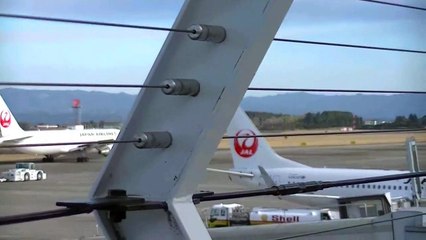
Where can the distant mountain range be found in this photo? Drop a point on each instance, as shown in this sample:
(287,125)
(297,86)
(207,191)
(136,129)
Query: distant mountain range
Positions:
(54,106)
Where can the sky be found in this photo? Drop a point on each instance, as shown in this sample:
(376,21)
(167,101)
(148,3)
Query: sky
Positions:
(38,51)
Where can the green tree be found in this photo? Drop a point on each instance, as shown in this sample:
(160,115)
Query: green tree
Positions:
(400,121)
(413,121)
(423,121)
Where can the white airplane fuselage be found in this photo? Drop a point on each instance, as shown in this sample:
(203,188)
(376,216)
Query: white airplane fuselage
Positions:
(62,136)
(84,141)
(397,188)
(256,165)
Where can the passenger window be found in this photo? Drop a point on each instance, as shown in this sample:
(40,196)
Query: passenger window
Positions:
(368,186)
(374,186)
(399,188)
(394,187)
(378,186)
(389,187)
(406,188)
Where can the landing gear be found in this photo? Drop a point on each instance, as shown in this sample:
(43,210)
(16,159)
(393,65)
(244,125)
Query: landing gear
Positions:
(48,158)
(82,159)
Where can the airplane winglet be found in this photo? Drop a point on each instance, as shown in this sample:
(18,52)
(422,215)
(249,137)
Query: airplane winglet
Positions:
(268,180)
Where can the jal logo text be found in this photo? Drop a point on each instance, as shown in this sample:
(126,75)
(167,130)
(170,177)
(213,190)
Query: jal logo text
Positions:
(5,119)
(246,147)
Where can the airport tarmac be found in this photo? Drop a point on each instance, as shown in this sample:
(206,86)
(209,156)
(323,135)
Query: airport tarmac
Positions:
(68,180)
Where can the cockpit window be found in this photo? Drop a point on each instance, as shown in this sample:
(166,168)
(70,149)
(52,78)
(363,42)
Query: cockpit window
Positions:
(223,212)
(214,212)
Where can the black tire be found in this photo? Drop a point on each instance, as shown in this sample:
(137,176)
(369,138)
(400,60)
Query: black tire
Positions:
(82,159)
(48,158)
(39,176)
(26,177)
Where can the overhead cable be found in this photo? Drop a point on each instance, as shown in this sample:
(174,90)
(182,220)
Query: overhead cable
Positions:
(63,20)
(36,84)
(326,133)
(69,143)
(118,205)
(394,4)
(37,216)
(300,187)
(348,45)
(5,145)
(331,90)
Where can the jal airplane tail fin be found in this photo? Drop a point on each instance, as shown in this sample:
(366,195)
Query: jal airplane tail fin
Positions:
(252,152)
(8,124)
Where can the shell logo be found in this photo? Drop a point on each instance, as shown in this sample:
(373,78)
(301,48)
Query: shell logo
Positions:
(246,147)
(5,119)
(264,217)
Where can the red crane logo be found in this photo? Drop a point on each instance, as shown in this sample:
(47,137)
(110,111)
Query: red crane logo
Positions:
(5,119)
(246,147)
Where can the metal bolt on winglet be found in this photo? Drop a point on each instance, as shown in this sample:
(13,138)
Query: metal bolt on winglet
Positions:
(154,140)
(209,33)
(189,87)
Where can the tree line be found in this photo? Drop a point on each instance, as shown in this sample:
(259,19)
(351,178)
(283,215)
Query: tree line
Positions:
(282,122)
(412,121)
(328,119)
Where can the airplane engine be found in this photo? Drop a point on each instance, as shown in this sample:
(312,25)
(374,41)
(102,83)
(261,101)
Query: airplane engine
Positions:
(104,150)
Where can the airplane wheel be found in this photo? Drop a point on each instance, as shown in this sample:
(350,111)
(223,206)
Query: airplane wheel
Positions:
(26,177)
(82,159)
(39,176)
(48,159)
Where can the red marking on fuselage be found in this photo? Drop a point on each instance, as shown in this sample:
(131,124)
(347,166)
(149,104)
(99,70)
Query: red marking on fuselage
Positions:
(246,147)
(5,119)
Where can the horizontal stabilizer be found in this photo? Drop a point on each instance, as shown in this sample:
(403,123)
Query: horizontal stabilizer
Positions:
(241,174)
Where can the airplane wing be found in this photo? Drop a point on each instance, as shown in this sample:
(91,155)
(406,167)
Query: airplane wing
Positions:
(241,174)
(11,140)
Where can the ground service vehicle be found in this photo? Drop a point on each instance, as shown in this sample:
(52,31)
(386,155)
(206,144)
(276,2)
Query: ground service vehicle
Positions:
(24,172)
(224,215)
